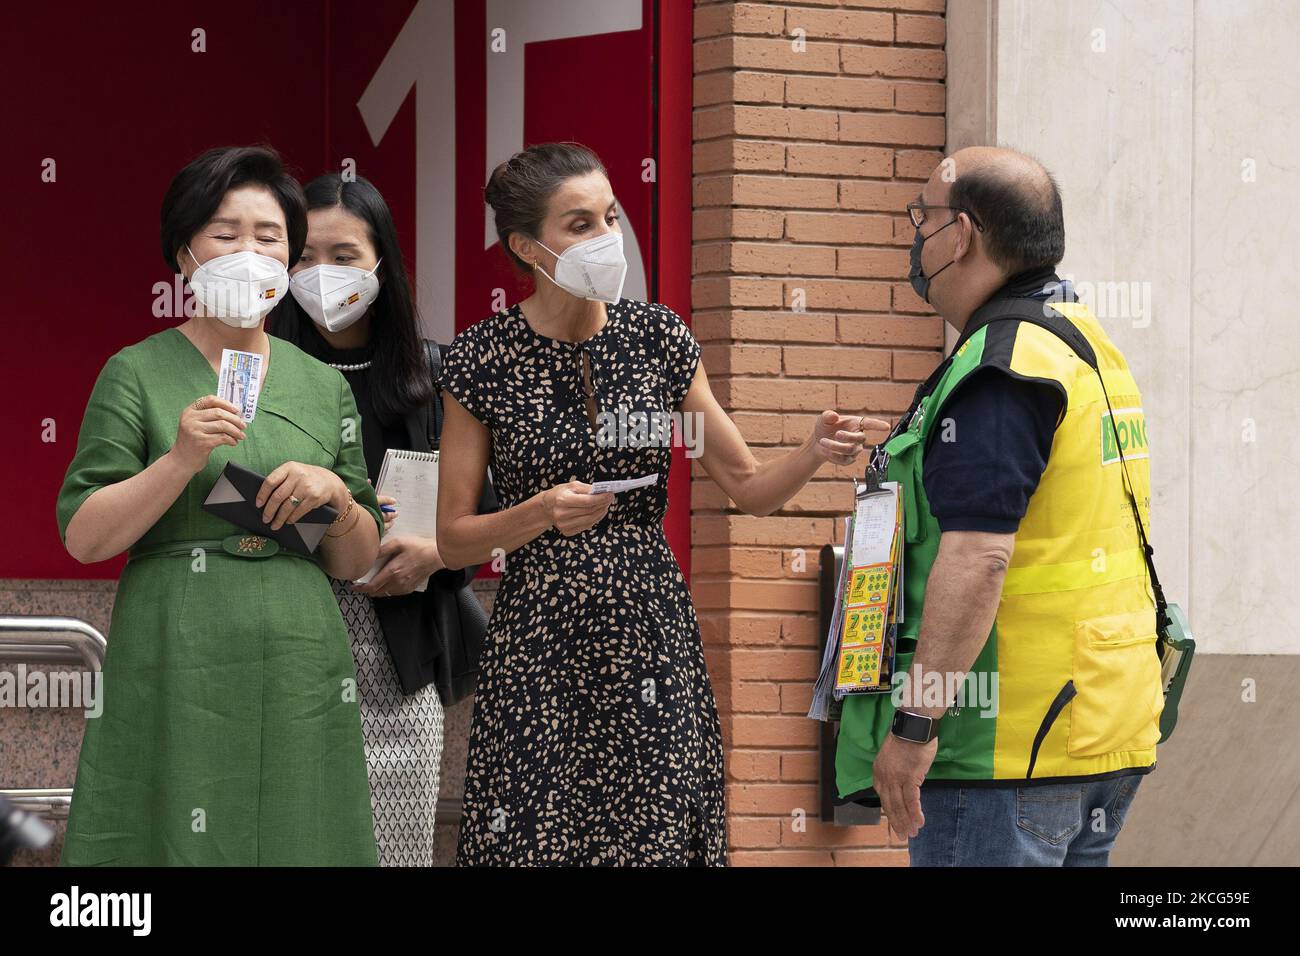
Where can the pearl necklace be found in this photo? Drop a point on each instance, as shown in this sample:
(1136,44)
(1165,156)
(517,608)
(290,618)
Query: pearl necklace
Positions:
(349,368)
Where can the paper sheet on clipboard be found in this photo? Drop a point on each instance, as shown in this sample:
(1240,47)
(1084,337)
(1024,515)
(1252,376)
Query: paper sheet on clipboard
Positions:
(412,478)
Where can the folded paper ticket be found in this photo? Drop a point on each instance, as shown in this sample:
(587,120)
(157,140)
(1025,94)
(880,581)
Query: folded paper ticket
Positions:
(624,484)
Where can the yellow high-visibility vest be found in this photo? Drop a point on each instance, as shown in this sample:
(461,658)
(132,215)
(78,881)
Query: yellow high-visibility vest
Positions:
(1070,665)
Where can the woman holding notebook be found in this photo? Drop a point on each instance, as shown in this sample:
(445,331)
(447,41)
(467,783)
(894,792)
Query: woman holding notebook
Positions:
(595,737)
(227,735)
(352,308)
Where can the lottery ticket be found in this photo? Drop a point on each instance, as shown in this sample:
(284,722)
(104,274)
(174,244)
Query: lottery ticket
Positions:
(870,613)
(240,380)
(621,485)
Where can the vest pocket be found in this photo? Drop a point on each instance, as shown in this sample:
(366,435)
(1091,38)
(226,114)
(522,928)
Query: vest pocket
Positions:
(1117,679)
(1063,697)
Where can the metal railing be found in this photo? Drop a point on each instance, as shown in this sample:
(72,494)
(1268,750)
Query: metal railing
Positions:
(48,640)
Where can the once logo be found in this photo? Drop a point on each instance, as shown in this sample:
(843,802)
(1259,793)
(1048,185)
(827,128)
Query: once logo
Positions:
(1132,429)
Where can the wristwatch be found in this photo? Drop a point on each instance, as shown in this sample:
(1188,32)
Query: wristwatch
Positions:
(916,728)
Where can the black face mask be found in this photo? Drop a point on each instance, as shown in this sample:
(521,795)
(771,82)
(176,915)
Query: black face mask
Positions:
(920,281)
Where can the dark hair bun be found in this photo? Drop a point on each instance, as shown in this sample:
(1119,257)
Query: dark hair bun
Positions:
(519,189)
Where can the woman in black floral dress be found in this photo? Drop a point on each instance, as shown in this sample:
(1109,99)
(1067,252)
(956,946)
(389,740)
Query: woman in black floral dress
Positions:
(595,737)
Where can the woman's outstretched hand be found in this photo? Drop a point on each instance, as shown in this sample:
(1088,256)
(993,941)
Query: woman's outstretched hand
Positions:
(840,438)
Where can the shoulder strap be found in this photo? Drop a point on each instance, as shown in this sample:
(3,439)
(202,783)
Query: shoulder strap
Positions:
(1034,311)
(433,354)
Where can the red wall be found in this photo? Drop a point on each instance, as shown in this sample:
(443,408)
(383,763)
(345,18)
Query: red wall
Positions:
(121,103)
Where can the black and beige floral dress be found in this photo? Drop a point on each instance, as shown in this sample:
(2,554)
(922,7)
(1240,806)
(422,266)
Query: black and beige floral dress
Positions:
(595,738)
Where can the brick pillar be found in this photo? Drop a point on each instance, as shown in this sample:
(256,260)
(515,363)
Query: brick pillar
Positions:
(814,124)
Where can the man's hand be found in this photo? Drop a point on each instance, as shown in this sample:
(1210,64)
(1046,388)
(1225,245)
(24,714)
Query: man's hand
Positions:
(899,769)
(961,601)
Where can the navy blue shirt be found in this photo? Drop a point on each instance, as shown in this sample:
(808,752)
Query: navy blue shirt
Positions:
(1001,430)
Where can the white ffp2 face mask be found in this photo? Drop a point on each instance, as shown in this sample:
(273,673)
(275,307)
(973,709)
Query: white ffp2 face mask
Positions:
(239,288)
(335,296)
(591,269)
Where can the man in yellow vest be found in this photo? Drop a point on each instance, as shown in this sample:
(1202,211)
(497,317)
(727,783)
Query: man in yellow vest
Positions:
(1031,704)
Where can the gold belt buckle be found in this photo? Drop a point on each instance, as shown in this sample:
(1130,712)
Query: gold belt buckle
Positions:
(250,546)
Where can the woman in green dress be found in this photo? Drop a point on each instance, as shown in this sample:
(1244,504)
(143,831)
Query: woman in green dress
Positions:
(230,732)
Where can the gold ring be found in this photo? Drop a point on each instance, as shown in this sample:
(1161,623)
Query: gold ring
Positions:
(295,501)
(196,403)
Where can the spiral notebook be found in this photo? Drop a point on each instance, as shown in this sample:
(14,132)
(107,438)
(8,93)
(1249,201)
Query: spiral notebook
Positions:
(412,478)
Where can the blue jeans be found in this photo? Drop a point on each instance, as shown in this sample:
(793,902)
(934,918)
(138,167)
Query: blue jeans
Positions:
(1065,824)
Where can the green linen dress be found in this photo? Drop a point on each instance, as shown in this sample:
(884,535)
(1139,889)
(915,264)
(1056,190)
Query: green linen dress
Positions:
(230,732)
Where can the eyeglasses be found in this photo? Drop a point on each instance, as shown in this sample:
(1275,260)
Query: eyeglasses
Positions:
(916,212)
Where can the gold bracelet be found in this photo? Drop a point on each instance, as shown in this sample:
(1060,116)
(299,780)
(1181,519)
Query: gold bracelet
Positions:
(338,518)
(346,511)
(341,533)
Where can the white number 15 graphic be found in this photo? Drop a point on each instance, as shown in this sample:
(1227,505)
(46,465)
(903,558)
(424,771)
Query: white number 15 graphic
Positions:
(423,57)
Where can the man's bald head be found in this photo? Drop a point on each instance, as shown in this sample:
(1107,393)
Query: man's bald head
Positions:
(1013,198)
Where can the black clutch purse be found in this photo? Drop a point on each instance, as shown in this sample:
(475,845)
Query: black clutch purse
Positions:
(233,498)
